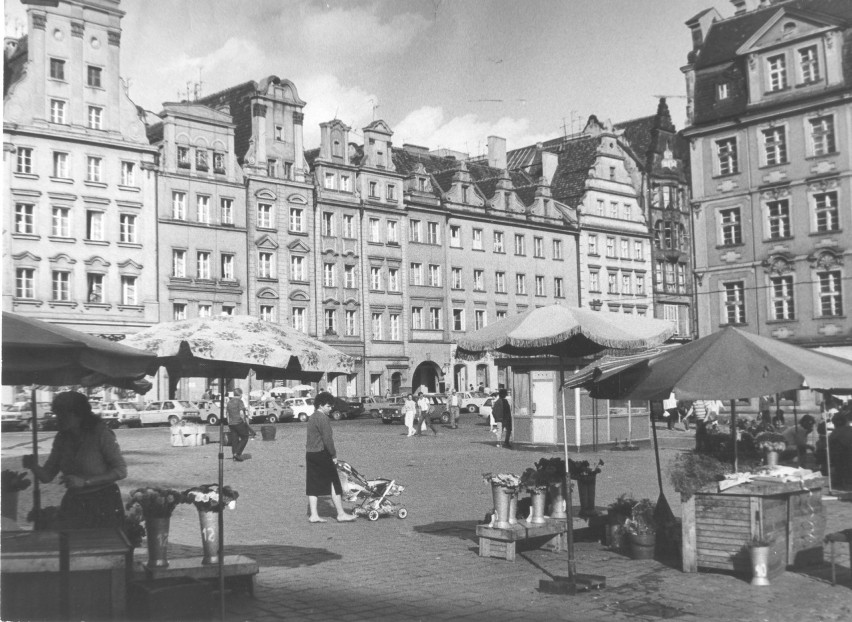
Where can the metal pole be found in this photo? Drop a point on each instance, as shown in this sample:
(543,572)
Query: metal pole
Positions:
(734,430)
(36,488)
(221,516)
(572,569)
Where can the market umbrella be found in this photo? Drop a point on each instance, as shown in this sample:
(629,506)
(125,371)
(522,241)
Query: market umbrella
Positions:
(229,347)
(566,332)
(281,391)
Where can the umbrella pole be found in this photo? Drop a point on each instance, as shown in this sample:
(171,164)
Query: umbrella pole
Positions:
(221,516)
(656,450)
(734,431)
(36,489)
(572,568)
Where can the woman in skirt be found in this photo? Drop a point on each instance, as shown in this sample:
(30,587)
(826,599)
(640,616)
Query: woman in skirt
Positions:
(320,460)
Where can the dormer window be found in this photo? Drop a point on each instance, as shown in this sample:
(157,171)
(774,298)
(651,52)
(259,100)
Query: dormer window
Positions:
(809,64)
(336,149)
(465,190)
(723,91)
(201,159)
(380,159)
(777,72)
(183,157)
(421,184)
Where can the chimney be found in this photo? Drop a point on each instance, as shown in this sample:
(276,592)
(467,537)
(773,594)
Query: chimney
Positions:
(548,166)
(700,25)
(497,152)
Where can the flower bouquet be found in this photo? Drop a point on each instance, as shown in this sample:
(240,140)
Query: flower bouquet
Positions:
(503,480)
(535,479)
(133,528)
(206,497)
(770,441)
(583,468)
(13,481)
(552,469)
(155,502)
(642,521)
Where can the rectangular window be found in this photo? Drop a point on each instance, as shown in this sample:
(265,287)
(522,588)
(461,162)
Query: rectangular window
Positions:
(520,244)
(57,111)
(178,311)
(227,267)
(822,135)
(731,227)
(809,64)
(128,290)
(226,209)
(202,262)
(264,216)
(434,275)
(612,283)
(128,174)
(477,239)
(57,69)
(393,279)
(272,167)
(626,284)
(219,162)
(345,184)
(266,265)
(539,286)
(827,216)
(395,332)
(374,190)
(625,248)
(329,181)
(178,205)
(775,145)
(60,165)
(348,226)
(228,310)
(670,277)
(94,225)
(498,242)
(127,229)
(93,168)
(557,249)
(205,310)
(722,91)
(414,231)
(456,278)
(601,208)
(61,286)
(830,293)
(538,247)
(351,327)
(638,253)
(297,268)
(60,226)
(349,277)
(520,284)
(95,288)
(93,76)
(558,291)
(179,264)
(375,278)
(480,320)
(416,277)
(781,290)
(455,236)
(726,156)
(327,224)
(593,245)
(267,313)
(626,211)
(778,213)
(279,132)
(375,230)
(478,281)
(432,235)
(390,192)
(640,284)
(96,117)
(658,274)
(297,220)
(501,315)
(393,232)
(183,157)
(435,318)
(610,247)
(297,317)
(24,160)
(416,318)
(776,70)
(594,281)
(613,209)
(25,283)
(734,302)
(377,326)
(681,278)
(500,282)
(24,218)
(458,319)
(328,275)
(202,209)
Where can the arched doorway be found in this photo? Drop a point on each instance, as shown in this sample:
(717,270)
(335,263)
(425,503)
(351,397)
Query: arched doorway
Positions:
(396,383)
(460,376)
(482,379)
(426,375)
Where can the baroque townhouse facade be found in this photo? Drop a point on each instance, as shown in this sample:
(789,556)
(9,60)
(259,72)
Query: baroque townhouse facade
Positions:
(770,102)
(79,237)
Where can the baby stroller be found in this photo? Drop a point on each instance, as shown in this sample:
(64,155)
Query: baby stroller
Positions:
(370,496)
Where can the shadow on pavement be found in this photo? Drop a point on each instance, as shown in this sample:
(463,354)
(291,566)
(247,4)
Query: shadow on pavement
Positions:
(266,555)
(466,530)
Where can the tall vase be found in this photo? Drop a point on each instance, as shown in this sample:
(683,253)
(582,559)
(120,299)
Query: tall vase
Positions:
(586,491)
(209,522)
(502,501)
(538,498)
(513,508)
(557,500)
(759,565)
(771,458)
(158,541)
(9,503)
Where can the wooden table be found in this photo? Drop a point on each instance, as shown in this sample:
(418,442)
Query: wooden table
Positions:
(100,562)
(500,542)
(717,525)
(239,571)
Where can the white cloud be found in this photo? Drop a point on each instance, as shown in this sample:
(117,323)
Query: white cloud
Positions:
(328,99)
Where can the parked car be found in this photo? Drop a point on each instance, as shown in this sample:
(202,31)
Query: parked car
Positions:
(471,401)
(116,414)
(269,412)
(209,411)
(439,410)
(345,409)
(18,416)
(302,407)
(169,411)
(375,405)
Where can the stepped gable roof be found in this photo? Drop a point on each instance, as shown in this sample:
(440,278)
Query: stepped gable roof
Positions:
(13,67)
(726,36)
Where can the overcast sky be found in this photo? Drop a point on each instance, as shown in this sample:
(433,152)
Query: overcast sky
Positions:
(442,73)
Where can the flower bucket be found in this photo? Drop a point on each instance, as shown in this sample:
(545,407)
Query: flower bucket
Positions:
(267,432)
(209,522)
(538,498)
(586,492)
(759,565)
(642,545)
(771,459)
(502,502)
(513,509)
(158,541)
(9,503)
(557,500)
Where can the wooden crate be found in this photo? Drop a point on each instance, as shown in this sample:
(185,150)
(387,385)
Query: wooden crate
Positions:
(718,525)
(503,542)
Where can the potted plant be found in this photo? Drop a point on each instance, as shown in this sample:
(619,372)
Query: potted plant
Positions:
(759,547)
(536,481)
(504,489)
(642,530)
(771,444)
(157,505)
(210,504)
(585,475)
(12,483)
(554,471)
(617,513)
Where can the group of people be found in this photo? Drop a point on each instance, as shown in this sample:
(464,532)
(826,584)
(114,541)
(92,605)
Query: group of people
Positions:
(416,415)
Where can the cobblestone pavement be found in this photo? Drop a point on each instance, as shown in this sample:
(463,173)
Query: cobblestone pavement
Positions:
(426,567)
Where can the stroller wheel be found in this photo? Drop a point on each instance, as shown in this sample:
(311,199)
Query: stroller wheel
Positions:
(373,515)
(402,512)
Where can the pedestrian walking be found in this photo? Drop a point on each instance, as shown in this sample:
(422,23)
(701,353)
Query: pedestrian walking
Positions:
(502,412)
(424,419)
(238,424)
(321,478)
(454,409)
(409,411)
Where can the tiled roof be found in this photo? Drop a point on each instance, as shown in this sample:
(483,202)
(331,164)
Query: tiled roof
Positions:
(407,161)
(239,99)
(310,156)
(154,132)
(576,157)
(13,67)
(637,132)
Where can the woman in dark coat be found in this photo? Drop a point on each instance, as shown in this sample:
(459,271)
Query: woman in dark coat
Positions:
(320,462)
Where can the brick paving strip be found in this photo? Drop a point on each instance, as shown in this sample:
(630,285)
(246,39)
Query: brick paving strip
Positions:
(426,567)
